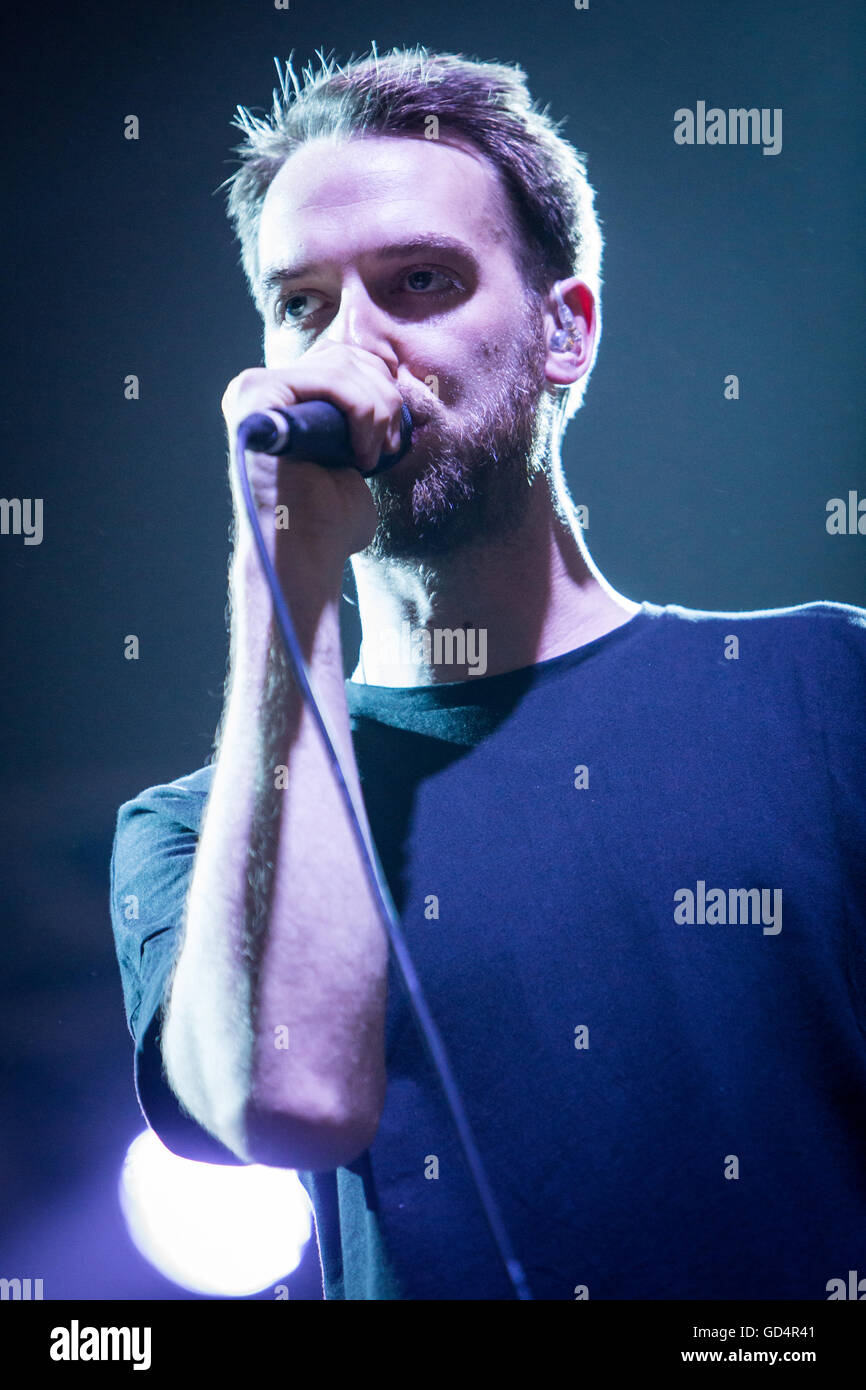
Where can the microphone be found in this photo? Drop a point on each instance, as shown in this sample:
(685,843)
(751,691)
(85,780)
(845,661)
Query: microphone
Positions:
(315,431)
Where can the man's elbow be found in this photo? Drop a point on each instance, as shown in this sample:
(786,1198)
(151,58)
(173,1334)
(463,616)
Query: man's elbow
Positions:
(276,1139)
(318,1144)
(308,1131)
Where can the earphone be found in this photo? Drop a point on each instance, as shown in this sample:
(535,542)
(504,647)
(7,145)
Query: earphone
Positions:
(565,337)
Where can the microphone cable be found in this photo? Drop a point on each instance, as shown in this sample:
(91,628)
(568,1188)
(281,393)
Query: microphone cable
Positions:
(379,886)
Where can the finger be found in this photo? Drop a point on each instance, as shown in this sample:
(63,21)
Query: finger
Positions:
(372,406)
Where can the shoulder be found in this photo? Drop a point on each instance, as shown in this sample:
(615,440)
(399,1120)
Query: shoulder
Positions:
(158,829)
(803,662)
(823,615)
(821,625)
(179,803)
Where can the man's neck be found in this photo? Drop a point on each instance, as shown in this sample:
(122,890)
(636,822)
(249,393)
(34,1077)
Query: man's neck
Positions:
(492,606)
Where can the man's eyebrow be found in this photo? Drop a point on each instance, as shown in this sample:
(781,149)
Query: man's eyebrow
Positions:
(274,276)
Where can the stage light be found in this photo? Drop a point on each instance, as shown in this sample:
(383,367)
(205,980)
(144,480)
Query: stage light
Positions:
(213,1229)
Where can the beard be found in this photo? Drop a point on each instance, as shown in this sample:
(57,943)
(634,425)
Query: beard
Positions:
(479,469)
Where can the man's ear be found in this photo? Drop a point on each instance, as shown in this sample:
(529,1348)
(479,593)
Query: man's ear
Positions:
(571,333)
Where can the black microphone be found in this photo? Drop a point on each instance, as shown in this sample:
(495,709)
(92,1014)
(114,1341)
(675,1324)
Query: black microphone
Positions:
(315,431)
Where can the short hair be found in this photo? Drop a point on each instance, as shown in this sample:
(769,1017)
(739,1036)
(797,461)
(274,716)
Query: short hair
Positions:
(487,104)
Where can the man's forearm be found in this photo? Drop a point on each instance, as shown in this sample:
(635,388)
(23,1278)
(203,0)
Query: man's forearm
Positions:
(275,1032)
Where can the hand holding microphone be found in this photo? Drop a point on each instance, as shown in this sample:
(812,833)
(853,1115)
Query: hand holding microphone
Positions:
(339,406)
(317,432)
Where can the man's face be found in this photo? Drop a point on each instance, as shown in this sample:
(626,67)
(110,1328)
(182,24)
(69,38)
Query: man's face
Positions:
(454,317)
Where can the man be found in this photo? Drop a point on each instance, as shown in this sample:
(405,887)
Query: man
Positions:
(626,845)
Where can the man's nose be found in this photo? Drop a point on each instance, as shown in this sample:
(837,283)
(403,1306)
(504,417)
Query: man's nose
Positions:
(360,322)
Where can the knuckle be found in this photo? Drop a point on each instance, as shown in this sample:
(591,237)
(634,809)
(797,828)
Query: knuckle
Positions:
(238,387)
(383,418)
(248,379)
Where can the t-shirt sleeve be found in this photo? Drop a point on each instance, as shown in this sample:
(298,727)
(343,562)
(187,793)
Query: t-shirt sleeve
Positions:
(151,866)
(836,672)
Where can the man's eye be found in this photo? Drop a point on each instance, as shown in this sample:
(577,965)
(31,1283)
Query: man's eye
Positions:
(296,308)
(421,279)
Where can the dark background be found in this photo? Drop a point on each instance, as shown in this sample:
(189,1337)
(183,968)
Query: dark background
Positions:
(120,259)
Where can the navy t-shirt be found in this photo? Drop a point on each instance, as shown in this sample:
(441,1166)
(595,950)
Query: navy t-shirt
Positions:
(632,880)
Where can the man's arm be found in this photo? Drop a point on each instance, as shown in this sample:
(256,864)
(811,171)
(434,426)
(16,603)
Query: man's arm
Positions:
(274,1037)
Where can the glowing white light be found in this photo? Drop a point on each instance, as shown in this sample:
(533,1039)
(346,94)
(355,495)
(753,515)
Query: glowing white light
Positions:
(211,1228)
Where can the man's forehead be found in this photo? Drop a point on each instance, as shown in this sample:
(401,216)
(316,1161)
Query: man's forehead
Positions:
(432,185)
